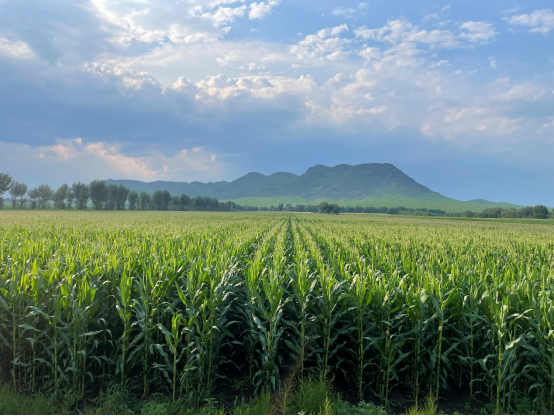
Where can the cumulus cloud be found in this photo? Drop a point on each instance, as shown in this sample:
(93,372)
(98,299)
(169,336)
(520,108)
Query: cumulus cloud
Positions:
(15,49)
(351,12)
(261,10)
(472,122)
(325,43)
(504,90)
(477,32)
(539,21)
(396,31)
(83,160)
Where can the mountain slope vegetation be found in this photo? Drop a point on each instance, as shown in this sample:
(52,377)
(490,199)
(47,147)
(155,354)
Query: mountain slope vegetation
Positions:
(368,184)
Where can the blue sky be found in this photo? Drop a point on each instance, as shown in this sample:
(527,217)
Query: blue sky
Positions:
(459,95)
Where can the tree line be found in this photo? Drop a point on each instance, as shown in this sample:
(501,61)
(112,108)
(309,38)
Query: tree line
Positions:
(104,196)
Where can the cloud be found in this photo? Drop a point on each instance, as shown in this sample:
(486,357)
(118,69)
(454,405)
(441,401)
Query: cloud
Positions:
(325,44)
(78,159)
(351,12)
(477,32)
(224,15)
(15,49)
(396,31)
(539,21)
(504,90)
(472,122)
(261,10)
(492,62)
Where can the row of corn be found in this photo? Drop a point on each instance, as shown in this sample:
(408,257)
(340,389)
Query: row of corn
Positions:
(179,303)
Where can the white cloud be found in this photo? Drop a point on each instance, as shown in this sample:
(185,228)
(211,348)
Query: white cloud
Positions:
(396,31)
(472,122)
(230,59)
(504,90)
(325,44)
(435,38)
(261,10)
(539,21)
(86,160)
(492,62)
(370,53)
(224,15)
(351,12)
(15,49)
(477,32)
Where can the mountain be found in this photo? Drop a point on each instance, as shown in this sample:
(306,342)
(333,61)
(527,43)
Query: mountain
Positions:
(368,184)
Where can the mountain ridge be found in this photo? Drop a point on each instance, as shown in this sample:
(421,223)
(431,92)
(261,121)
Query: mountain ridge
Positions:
(364,184)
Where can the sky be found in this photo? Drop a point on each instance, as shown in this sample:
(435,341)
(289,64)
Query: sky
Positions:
(459,95)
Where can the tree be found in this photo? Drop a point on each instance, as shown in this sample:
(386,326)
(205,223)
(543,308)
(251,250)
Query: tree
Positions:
(540,212)
(44,194)
(111,198)
(145,201)
(133,200)
(5,184)
(18,190)
(98,193)
(185,201)
(326,208)
(175,203)
(60,195)
(161,200)
(81,193)
(69,197)
(526,212)
(33,196)
(121,197)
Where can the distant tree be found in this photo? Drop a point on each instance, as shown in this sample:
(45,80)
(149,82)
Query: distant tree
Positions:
(184,200)
(98,193)
(45,194)
(18,190)
(526,212)
(540,212)
(468,214)
(121,197)
(81,193)
(197,203)
(158,200)
(323,208)
(175,203)
(145,201)
(69,198)
(111,198)
(326,208)
(33,197)
(133,200)
(510,213)
(5,184)
(60,196)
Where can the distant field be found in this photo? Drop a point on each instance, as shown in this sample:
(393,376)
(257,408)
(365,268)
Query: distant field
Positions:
(447,204)
(184,309)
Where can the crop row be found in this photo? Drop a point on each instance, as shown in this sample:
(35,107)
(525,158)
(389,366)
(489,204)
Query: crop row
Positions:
(177,303)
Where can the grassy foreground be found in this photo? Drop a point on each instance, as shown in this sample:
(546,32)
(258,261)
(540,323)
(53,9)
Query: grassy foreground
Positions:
(183,312)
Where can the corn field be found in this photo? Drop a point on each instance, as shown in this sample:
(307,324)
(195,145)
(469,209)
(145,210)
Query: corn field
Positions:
(180,303)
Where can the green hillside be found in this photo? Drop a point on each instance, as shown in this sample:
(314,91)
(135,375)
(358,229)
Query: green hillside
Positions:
(368,184)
